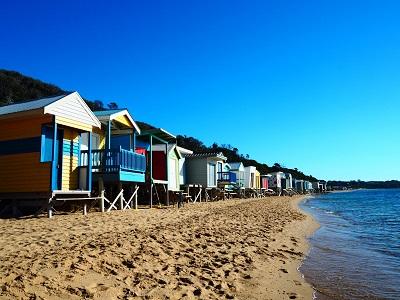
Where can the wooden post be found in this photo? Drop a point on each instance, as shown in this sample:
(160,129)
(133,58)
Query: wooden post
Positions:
(89,164)
(136,191)
(108,135)
(151,171)
(134,141)
(54,161)
(50,208)
(200,190)
(85,209)
(121,199)
(102,200)
(167,171)
(180,201)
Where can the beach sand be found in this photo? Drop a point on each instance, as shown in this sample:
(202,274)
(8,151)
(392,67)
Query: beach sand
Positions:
(235,249)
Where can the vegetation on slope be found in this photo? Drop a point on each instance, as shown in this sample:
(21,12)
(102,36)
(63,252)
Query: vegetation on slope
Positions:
(358,184)
(16,87)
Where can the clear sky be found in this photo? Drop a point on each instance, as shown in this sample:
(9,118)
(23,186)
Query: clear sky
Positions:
(309,84)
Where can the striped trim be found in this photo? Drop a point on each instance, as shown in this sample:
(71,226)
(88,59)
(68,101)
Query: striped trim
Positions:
(70,148)
(27,145)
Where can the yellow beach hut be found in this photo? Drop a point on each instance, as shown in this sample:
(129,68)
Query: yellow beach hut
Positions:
(40,145)
(258,180)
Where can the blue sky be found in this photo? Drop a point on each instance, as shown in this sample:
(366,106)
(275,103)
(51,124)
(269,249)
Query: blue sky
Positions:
(309,84)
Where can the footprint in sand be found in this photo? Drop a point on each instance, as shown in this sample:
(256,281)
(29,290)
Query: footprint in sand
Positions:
(283,270)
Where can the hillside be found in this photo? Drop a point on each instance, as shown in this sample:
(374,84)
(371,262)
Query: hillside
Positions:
(16,87)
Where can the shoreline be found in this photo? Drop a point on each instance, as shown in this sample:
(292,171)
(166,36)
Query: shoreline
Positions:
(234,249)
(294,279)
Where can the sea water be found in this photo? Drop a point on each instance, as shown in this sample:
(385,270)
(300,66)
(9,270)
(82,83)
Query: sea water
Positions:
(355,254)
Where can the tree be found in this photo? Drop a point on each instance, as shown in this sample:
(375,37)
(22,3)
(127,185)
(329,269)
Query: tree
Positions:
(112,105)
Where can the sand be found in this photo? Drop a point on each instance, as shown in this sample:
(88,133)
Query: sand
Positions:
(235,249)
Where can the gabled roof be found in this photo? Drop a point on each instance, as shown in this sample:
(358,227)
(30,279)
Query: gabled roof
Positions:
(70,106)
(236,165)
(219,155)
(109,115)
(160,133)
(184,151)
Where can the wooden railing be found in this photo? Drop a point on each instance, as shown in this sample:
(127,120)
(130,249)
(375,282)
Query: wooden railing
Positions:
(227,177)
(114,160)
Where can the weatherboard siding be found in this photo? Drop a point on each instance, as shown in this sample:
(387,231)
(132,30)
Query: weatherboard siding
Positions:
(196,170)
(24,173)
(11,129)
(20,166)
(72,123)
(70,108)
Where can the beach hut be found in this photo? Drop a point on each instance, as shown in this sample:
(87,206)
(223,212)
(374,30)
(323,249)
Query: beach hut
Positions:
(157,162)
(276,180)
(238,169)
(250,177)
(40,144)
(323,185)
(289,180)
(309,186)
(115,159)
(300,186)
(204,169)
(174,158)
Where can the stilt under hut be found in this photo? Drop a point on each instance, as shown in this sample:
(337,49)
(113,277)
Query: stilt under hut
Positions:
(157,163)
(118,169)
(40,144)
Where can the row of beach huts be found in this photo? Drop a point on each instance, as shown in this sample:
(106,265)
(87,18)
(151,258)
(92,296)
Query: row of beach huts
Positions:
(57,153)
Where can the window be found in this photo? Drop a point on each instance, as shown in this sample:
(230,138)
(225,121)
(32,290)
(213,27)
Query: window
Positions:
(95,141)
(85,141)
(212,180)
(46,154)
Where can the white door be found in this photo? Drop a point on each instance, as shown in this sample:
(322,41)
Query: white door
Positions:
(172,175)
(212,175)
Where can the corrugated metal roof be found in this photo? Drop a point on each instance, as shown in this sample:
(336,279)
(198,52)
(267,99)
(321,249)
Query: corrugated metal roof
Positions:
(235,165)
(107,112)
(206,155)
(28,105)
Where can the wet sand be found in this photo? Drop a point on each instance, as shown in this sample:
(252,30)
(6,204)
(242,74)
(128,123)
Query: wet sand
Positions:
(235,249)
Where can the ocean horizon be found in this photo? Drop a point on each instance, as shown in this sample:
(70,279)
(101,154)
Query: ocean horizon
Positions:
(355,254)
